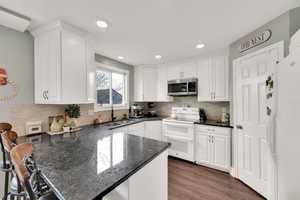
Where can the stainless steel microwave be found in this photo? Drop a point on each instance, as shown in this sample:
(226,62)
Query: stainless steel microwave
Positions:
(183,87)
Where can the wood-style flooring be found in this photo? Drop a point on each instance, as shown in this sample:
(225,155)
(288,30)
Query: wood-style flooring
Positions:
(188,181)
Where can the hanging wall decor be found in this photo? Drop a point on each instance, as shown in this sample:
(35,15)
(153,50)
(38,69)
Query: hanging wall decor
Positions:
(5,82)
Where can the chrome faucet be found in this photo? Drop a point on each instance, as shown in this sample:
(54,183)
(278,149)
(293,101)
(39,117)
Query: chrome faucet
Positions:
(113,118)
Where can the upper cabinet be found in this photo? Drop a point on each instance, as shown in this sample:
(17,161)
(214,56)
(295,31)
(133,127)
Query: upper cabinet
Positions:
(213,79)
(162,84)
(64,65)
(182,70)
(145,84)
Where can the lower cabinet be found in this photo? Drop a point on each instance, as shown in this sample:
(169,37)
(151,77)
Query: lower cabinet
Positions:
(153,130)
(212,147)
(148,129)
(137,129)
(149,183)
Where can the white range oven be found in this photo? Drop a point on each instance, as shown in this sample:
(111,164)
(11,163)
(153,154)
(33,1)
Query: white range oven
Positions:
(179,131)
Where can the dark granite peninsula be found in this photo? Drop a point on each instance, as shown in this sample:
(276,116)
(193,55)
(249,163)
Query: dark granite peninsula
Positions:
(95,163)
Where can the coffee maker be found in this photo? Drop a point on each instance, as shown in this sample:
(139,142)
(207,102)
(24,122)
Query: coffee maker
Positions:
(137,111)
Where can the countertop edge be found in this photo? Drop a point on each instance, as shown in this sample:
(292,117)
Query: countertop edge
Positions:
(111,188)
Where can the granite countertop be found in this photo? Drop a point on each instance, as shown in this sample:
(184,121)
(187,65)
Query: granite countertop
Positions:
(214,123)
(92,162)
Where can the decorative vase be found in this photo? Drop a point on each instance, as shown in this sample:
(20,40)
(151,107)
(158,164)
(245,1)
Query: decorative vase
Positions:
(55,126)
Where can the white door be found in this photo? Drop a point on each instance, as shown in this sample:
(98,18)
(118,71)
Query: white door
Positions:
(203,148)
(254,159)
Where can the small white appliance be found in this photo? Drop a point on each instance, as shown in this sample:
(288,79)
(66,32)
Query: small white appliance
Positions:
(33,127)
(179,131)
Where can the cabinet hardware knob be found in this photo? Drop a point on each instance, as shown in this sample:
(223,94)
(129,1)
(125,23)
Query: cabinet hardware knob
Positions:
(239,127)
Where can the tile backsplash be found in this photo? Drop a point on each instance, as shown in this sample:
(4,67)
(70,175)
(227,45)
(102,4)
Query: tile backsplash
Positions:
(213,109)
(23,113)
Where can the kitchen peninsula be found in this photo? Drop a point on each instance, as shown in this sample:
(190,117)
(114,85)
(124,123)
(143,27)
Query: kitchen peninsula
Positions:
(97,163)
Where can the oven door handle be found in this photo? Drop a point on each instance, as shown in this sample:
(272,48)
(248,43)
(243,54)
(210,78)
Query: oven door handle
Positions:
(184,139)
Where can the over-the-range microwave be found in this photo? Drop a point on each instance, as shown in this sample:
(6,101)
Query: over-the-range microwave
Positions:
(183,87)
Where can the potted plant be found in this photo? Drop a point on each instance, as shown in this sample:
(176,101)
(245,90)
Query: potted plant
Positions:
(73,112)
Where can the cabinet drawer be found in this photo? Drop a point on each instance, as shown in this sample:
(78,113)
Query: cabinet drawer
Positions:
(213,130)
(136,127)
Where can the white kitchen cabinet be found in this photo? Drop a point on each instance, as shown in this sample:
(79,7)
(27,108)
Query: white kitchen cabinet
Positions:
(153,130)
(205,82)
(162,84)
(123,129)
(151,182)
(62,65)
(213,147)
(145,84)
(137,129)
(137,187)
(182,70)
(213,79)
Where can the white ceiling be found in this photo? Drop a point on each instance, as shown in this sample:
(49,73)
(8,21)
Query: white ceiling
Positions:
(140,29)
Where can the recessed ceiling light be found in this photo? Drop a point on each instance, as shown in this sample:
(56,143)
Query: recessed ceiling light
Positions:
(200,46)
(102,24)
(158,56)
(121,57)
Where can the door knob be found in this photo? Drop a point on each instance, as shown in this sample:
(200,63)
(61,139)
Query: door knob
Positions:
(239,127)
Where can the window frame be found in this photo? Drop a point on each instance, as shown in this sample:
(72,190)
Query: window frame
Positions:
(112,69)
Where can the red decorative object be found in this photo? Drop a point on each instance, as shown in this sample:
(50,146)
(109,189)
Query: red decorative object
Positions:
(3,77)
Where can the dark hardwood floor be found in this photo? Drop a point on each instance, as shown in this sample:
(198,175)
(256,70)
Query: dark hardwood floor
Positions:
(188,181)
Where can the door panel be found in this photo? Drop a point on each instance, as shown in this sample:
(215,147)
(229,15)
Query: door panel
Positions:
(204,81)
(220,70)
(220,148)
(203,148)
(253,153)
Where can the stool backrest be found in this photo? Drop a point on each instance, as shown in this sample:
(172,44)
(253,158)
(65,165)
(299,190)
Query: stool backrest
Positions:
(26,169)
(8,140)
(5,127)
(18,154)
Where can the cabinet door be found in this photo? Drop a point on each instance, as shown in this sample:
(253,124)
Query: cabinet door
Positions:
(187,70)
(137,129)
(205,82)
(74,68)
(138,84)
(173,72)
(151,181)
(162,85)
(153,130)
(203,148)
(149,77)
(220,78)
(47,67)
(220,153)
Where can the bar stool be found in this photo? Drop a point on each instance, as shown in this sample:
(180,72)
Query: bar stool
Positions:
(9,142)
(5,165)
(25,166)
